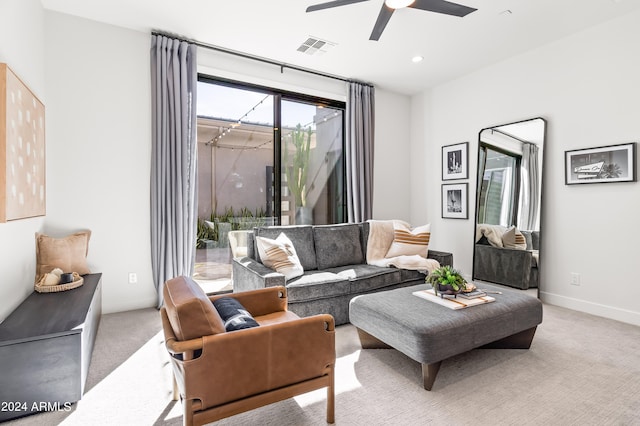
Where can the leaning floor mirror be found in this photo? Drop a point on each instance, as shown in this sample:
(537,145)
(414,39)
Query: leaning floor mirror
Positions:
(508,204)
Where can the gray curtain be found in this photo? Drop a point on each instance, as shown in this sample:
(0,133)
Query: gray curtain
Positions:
(359,151)
(173,159)
(530,190)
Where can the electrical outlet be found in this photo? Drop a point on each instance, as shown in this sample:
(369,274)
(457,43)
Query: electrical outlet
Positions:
(133,278)
(575,278)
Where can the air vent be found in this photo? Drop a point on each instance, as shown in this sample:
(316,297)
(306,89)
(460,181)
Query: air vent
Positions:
(315,46)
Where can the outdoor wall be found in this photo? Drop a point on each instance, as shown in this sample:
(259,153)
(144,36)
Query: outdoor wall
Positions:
(586,86)
(99,150)
(240,179)
(22,44)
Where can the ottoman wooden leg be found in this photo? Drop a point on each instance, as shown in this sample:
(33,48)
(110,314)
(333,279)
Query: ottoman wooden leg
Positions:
(429,373)
(520,340)
(367,341)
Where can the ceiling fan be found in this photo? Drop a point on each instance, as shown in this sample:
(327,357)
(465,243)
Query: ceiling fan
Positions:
(389,6)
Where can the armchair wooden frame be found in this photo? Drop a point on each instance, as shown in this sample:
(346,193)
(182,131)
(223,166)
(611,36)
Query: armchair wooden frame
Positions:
(285,356)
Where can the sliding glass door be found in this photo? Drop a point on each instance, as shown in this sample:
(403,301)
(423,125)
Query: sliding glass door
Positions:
(498,194)
(248,136)
(312,164)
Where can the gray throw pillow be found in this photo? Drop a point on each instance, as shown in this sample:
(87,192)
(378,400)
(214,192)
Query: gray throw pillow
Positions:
(338,245)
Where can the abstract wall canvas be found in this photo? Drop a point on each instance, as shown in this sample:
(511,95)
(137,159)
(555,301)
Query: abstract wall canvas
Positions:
(22,150)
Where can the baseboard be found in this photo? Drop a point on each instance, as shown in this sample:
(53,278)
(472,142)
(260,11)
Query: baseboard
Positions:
(623,315)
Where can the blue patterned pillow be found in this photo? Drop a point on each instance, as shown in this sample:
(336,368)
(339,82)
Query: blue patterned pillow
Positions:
(233,314)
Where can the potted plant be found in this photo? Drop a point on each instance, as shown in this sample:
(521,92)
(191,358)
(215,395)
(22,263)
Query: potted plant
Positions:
(296,169)
(446,280)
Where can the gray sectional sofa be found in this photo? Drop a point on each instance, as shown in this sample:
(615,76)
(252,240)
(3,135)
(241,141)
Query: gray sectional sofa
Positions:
(335,268)
(507,266)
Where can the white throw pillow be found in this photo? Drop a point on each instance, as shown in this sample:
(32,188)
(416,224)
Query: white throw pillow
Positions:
(279,254)
(514,239)
(409,242)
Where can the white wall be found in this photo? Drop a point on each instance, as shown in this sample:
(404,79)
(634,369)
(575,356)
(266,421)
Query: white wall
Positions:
(22,49)
(99,150)
(586,86)
(391,170)
(223,65)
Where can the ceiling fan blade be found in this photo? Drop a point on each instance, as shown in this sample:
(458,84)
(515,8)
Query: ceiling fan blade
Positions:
(442,6)
(381,22)
(331,4)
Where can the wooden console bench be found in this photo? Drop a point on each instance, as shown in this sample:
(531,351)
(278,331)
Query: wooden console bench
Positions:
(45,349)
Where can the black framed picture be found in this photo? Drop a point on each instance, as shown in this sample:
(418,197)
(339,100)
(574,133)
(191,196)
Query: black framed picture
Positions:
(455,199)
(604,164)
(455,161)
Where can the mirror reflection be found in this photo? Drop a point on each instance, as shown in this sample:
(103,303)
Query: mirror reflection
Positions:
(508,204)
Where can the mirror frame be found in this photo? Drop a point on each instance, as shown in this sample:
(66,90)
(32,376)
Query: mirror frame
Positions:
(542,180)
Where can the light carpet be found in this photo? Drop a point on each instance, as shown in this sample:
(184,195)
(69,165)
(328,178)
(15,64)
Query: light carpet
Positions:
(580,370)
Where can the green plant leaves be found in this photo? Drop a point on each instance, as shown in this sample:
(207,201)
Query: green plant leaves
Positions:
(446,275)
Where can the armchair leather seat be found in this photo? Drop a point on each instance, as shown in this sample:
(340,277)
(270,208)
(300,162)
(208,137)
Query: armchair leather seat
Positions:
(220,374)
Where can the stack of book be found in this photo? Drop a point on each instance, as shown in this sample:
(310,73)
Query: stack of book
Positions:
(454,303)
(472,294)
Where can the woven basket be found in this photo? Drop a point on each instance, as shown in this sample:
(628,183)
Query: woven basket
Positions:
(77,282)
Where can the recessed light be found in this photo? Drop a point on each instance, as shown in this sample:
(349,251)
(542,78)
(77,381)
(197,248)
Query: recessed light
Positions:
(417,59)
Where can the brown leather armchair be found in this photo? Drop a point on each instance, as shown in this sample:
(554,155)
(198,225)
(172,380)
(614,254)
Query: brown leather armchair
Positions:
(220,374)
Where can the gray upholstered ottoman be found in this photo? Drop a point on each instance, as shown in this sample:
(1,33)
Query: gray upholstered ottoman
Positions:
(429,333)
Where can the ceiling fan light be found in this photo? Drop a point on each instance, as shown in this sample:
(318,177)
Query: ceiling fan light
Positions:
(398,4)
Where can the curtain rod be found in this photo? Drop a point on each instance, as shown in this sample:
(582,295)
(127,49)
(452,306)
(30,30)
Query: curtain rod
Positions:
(282,65)
(509,135)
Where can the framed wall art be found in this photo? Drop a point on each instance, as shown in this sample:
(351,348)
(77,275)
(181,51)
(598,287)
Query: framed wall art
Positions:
(605,164)
(22,150)
(455,200)
(455,161)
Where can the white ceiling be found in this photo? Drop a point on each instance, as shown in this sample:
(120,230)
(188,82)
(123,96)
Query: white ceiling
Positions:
(274,29)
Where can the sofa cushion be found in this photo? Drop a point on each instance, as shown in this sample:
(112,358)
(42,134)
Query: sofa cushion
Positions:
(407,275)
(301,237)
(535,240)
(363,277)
(189,310)
(338,245)
(280,254)
(317,285)
(535,254)
(408,242)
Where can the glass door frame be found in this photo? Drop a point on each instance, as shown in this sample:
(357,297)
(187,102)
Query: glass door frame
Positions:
(278,97)
(515,179)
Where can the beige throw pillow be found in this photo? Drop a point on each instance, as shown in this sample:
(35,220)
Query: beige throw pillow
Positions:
(514,239)
(279,254)
(409,242)
(68,253)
